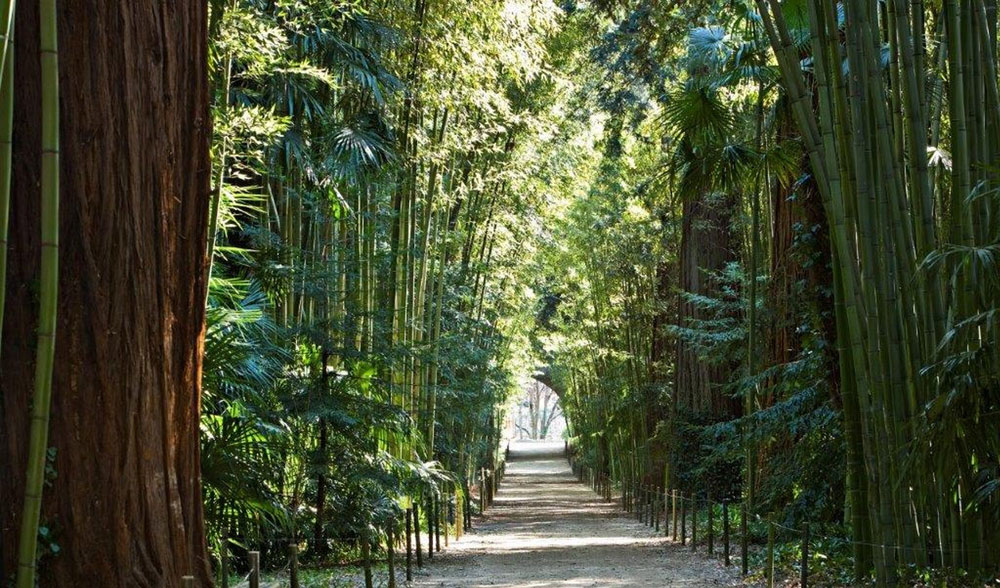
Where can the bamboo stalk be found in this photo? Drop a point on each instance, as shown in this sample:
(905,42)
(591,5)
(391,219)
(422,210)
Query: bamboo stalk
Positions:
(48,297)
(215,206)
(961,231)
(6,131)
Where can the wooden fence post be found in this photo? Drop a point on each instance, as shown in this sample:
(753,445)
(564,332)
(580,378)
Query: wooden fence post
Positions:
(390,553)
(430,527)
(725,530)
(187,581)
(437,522)
(224,557)
(448,516)
(651,502)
(647,504)
(656,508)
(409,544)
(633,505)
(254,557)
(642,504)
(293,563)
(804,580)
(711,525)
(744,539)
(673,500)
(654,505)
(468,510)
(482,490)
(770,554)
(684,511)
(416,533)
(366,556)
(694,522)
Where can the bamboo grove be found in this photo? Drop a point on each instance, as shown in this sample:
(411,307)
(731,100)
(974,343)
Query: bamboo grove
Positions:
(794,260)
(752,245)
(909,293)
(362,310)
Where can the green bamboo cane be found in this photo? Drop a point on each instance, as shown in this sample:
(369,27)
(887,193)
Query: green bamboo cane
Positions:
(921,192)
(6,131)
(421,299)
(917,33)
(992,112)
(436,332)
(826,50)
(7,9)
(890,21)
(872,171)
(48,297)
(916,137)
(975,124)
(824,172)
(215,205)
(961,174)
(826,178)
(897,257)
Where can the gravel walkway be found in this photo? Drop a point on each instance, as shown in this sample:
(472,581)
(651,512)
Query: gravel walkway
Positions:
(547,530)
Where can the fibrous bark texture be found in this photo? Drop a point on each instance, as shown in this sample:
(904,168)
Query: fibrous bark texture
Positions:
(124,503)
(707,245)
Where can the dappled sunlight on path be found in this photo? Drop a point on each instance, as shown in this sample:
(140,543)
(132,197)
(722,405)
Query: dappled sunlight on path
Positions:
(547,530)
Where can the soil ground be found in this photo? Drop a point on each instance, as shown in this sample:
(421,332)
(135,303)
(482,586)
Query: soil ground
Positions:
(547,530)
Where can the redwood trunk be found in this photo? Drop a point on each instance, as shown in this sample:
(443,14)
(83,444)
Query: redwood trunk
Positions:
(707,245)
(801,282)
(125,505)
(659,364)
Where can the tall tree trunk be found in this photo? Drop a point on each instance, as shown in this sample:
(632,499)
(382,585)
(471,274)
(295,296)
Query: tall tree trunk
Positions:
(795,259)
(660,356)
(125,499)
(707,245)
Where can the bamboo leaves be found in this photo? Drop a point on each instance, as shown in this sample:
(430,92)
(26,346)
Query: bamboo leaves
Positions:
(871,126)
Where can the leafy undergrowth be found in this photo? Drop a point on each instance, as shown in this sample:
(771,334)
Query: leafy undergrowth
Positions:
(831,565)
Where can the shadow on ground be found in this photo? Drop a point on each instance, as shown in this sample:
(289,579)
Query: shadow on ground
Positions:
(546,530)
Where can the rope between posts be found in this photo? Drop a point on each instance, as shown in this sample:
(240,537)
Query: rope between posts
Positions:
(847,541)
(681,498)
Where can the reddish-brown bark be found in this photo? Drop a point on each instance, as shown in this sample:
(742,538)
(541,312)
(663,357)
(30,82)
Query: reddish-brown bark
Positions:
(125,505)
(707,245)
(660,349)
(801,279)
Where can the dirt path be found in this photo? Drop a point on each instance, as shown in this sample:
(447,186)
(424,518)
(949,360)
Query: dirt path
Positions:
(547,530)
